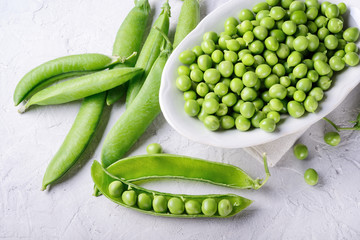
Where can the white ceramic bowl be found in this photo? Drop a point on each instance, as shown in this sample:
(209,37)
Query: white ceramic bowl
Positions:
(172,102)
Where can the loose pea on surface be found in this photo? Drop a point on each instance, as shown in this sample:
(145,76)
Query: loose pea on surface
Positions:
(332,138)
(311,176)
(155,147)
(300,151)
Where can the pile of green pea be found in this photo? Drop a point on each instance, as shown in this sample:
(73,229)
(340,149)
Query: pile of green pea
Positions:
(279,59)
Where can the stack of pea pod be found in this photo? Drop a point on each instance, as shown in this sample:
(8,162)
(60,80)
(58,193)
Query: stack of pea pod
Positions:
(277,59)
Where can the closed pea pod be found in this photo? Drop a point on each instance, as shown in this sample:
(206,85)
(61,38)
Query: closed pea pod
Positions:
(77,139)
(62,65)
(129,39)
(149,53)
(161,201)
(82,87)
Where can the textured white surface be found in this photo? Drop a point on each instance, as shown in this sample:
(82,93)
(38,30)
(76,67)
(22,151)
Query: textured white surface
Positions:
(286,208)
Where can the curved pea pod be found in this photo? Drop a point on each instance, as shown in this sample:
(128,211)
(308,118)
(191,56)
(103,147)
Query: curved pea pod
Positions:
(149,53)
(62,65)
(81,87)
(128,40)
(103,179)
(188,19)
(77,139)
(175,166)
(137,117)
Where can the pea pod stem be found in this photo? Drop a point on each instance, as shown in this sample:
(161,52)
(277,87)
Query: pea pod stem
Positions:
(337,128)
(102,180)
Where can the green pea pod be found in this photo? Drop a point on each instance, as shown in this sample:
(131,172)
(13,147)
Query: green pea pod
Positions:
(128,40)
(73,63)
(174,166)
(149,53)
(103,179)
(77,139)
(137,117)
(188,19)
(81,87)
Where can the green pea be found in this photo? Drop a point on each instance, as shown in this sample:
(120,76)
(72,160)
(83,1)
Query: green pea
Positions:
(289,42)
(226,68)
(310,104)
(247,109)
(217,56)
(313,42)
(312,13)
(294,59)
(258,103)
(268,124)
(144,201)
(283,51)
(299,96)
(230,56)
(332,138)
(296,5)
(257,118)
(311,177)
(222,111)
(248,94)
(183,70)
(263,70)
(290,91)
(209,207)
(312,3)
(222,41)
(212,76)
(335,25)
(271,80)
(236,85)
(324,83)
(295,109)
(319,56)
(256,47)
(289,27)
(277,13)
(232,21)
(202,89)
(300,43)
(129,197)
(258,60)
(239,69)
(298,17)
(227,122)
(266,109)
(224,207)
(300,70)
(210,105)
(331,42)
(221,89)
(321,21)
(194,66)
(342,8)
(267,22)
(304,85)
(271,43)
(309,63)
(248,37)
(116,189)
(249,79)
(332,11)
(351,59)
(279,70)
(323,33)
(159,204)
(154,148)
(312,75)
(312,27)
(351,47)
(260,32)
(202,115)
(285,81)
(246,14)
(211,36)
(300,151)
(245,26)
(212,123)
(192,107)
(278,34)
(341,45)
(317,93)
(273,115)
(262,14)
(198,51)
(187,57)
(175,205)
(208,46)
(277,91)
(275,105)
(336,63)
(183,83)
(230,29)
(192,207)
(260,6)
(271,59)
(196,75)
(242,123)
(204,62)
(302,30)
(322,67)
(248,59)
(286,3)
(229,99)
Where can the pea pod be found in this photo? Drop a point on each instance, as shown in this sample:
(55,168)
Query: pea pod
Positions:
(137,117)
(149,53)
(158,203)
(81,87)
(62,65)
(77,139)
(128,39)
(174,166)
(188,19)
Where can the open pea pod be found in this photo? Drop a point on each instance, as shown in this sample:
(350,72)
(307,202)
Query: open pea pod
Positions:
(156,203)
(175,166)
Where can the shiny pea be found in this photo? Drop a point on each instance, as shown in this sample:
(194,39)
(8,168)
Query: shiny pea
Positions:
(116,188)
(204,62)
(300,151)
(311,177)
(310,104)
(268,125)
(144,201)
(192,107)
(242,123)
(159,204)
(226,68)
(304,85)
(176,205)
(187,57)
(196,75)
(227,122)
(336,63)
(295,109)
(209,207)
(183,70)
(183,83)
(212,123)
(129,197)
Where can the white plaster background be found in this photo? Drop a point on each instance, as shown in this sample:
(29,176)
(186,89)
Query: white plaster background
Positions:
(35,31)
